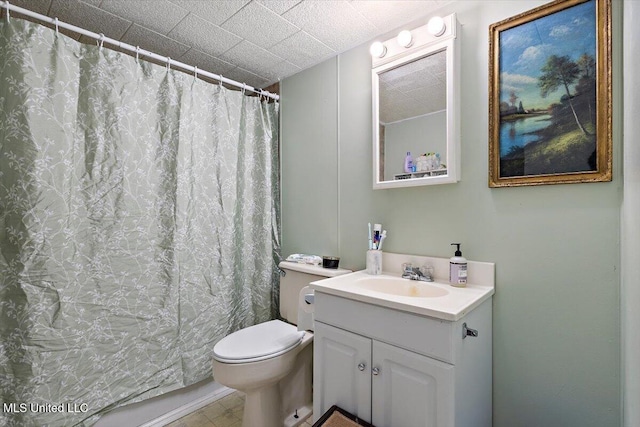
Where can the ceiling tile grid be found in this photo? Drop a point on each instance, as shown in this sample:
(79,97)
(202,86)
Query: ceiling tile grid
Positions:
(157,15)
(41,7)
(254,15)
(216,11)
(303,50)
(336,23)
(154,42)
(84,15)
(257,42)
(203,35)
(279,6)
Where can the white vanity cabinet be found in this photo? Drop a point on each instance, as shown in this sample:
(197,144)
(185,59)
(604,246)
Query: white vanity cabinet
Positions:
(342,371)
(393,368)
(410,389)
(382,384)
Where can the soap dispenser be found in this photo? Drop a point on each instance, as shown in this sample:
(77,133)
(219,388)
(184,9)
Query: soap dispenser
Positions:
(457,268)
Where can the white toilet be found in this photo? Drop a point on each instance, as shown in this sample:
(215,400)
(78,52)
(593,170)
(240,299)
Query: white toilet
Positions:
(272,362)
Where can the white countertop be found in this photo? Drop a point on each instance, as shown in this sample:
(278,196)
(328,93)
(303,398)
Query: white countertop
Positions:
(451,307)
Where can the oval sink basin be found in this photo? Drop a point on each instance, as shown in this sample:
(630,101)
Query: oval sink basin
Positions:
(401,287)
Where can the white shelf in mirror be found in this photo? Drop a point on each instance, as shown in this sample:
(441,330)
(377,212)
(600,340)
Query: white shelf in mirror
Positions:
(421,174)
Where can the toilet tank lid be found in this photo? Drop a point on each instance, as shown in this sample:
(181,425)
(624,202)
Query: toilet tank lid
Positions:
(318,270)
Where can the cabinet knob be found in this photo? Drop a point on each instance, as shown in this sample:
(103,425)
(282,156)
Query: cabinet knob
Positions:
(375,371)
(361,366)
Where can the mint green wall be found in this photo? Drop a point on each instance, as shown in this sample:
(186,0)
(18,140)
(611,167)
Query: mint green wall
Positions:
(309,157)
(411,135)
(556,326)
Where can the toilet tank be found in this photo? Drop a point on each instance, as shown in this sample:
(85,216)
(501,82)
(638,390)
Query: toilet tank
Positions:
(296,277)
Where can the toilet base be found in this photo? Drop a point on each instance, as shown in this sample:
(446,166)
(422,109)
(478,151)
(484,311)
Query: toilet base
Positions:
(274,388)
(262,407)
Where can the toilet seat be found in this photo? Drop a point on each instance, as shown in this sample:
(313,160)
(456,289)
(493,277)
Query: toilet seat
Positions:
(258,342)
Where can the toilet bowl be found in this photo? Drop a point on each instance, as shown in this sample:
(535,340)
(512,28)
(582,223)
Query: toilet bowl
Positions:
(272,362)
(254,360)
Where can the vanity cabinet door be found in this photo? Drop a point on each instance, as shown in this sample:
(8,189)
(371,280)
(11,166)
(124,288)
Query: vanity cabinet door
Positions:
(410,390)
(341,371)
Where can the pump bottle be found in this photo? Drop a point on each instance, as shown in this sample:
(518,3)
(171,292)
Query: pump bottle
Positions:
(457,268)
(408,163)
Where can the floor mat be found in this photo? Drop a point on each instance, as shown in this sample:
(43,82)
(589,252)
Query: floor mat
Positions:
(338,417)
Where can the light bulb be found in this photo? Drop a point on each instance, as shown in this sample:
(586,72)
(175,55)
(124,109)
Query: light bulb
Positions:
(404,38)
(436,26)
(378,50)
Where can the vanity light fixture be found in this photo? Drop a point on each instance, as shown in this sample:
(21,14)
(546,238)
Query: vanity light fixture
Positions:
(378,50)
(436,26)
(405,39)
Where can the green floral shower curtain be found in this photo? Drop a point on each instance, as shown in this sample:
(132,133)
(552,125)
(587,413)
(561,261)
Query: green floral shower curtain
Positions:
(138,225)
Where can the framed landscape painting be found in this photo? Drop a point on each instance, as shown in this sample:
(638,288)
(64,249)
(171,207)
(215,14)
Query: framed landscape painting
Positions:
(550,95)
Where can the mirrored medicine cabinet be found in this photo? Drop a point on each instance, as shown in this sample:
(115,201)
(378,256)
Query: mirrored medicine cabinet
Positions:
(416,109)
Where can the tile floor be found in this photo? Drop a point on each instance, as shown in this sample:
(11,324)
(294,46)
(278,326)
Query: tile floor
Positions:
(224,412)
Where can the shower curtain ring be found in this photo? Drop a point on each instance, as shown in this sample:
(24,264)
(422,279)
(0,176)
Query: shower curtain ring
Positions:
(195,72)
(101,41)
(168,63)
(7,4)
(220,81)
(244,88)
(55,21)
(137,53)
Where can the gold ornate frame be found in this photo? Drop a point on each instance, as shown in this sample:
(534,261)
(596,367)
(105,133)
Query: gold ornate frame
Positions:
(603,131)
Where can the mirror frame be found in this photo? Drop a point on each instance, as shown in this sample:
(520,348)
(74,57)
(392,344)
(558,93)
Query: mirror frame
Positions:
(424,45)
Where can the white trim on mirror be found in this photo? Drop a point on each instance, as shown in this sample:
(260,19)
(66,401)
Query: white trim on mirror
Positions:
(425,44)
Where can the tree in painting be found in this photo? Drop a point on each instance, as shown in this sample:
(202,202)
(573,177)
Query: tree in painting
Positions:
(560,71)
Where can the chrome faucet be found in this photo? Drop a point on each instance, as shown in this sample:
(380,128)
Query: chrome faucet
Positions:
(414,273)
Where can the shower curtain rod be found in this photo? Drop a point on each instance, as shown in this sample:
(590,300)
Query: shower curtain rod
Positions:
(134,49)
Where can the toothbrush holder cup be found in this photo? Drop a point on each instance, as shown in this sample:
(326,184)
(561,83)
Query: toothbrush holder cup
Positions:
(374,262)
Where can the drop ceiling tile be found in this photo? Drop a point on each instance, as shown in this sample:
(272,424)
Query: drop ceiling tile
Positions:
(203,35)
(41,7)
(215,12)
(335,23)
(256,16)
(91,18)
(154,42)
(206,62)
(244,76)
(158,15)
(250,57)
(279,6)
(280,71)
(387,15)
(302,50)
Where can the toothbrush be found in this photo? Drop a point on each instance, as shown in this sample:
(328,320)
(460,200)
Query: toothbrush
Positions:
(382,237)
(370,241)
(377,228)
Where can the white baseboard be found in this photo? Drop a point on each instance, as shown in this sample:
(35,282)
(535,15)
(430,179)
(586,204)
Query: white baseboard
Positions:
(184,410)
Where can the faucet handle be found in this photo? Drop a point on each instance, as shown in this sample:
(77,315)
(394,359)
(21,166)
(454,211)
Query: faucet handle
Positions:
(427,271)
